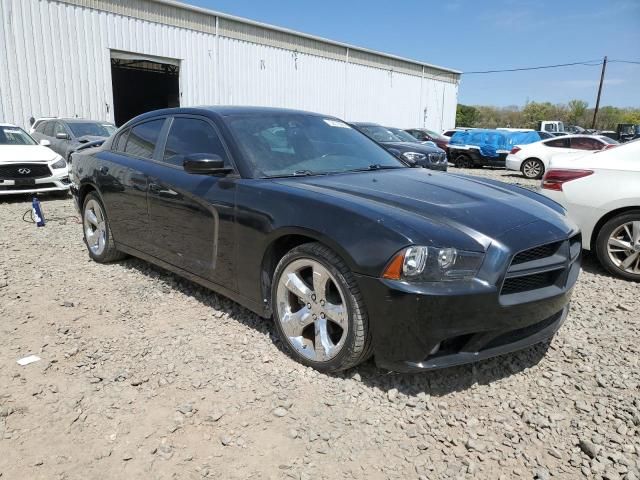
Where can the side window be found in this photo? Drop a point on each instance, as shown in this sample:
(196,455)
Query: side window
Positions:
(188,136)
(58,128)
(583,143)
(48,129)
(40,127)
(142,138)
(558,143)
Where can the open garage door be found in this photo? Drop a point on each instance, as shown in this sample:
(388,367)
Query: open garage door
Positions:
(141,83)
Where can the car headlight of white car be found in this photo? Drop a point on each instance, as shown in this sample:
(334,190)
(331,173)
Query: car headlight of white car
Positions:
(59,164)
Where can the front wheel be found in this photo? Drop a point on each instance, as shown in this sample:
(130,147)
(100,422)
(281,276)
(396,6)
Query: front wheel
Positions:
(318,309)
(97,233)
(532,168)
(464,161)
(618,245)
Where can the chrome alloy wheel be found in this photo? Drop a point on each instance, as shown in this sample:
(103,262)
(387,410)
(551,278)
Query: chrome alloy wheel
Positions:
(532,169)
(623,247)
(95,229)
(312,310)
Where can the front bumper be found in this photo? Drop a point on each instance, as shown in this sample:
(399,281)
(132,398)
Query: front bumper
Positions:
(435,325)
(58,182)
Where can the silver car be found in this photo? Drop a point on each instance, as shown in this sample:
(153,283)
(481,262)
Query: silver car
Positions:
(66,135)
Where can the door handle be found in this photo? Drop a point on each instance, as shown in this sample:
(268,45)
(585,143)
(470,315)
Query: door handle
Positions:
(104,170)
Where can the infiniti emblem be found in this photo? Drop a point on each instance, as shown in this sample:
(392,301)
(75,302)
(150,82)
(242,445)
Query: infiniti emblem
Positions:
(24,171)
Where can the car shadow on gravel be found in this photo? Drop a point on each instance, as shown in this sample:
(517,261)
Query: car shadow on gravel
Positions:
(434,383)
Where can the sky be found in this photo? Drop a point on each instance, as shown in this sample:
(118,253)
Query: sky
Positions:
(472,35)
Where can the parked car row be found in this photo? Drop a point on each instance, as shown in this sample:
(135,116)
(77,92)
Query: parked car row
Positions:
(38,163)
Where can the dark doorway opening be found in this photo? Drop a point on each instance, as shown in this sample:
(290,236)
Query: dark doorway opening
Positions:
(140,86)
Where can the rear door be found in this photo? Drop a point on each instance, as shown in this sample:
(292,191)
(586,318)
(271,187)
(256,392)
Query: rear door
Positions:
(191,216)
(122,180)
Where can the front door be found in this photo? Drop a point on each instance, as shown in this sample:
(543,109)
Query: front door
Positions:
(192,216)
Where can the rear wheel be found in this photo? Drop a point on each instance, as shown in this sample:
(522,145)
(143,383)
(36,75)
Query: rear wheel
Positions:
(318,309)
(97,233)
(464,161)
(618,245)
(532,168)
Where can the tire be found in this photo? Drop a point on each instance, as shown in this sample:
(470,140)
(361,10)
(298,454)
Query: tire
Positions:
(532,168)
(615,246)
(97,232)
(463,161)
(309,281)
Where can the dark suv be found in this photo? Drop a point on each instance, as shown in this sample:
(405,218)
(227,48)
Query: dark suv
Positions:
(66,135)
(416,153)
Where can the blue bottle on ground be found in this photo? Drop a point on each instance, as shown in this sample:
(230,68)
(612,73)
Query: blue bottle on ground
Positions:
(38,216)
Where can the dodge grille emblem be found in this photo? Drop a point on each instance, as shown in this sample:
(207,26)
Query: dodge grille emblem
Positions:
(24,171)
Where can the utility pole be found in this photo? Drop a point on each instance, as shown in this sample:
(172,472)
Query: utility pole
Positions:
(595,112)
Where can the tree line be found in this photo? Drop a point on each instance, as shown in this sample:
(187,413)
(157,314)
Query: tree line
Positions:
(575,112)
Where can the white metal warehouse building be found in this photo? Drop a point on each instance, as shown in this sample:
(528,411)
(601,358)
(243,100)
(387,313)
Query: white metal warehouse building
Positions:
(112,59)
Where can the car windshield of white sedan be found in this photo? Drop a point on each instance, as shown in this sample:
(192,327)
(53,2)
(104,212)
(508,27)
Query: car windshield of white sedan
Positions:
(282,145)
(15,136)
(92,129)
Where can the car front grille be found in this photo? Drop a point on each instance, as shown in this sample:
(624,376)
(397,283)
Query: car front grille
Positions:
(536,253)
(542,267)
(16,171)
(35,186)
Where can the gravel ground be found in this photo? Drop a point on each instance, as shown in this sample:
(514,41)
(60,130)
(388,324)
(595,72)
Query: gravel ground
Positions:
(145,375)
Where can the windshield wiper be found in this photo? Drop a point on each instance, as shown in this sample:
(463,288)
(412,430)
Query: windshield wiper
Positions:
(297,173)
(375,166)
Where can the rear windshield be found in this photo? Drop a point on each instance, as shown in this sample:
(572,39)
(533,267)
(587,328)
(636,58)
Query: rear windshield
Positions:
(15,136)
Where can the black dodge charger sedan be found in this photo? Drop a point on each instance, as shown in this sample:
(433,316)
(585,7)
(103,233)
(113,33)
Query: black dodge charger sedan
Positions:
(300,217)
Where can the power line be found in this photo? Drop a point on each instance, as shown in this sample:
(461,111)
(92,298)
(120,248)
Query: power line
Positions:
(588,63)
(625,61)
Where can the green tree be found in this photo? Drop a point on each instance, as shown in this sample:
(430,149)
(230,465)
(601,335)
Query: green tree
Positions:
(577,112)
(534,112)
(467,116)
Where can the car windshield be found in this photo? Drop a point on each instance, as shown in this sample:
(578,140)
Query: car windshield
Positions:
(434,135)
(15,136)
(403,136)
(378,133)
(289,144)
(93,129)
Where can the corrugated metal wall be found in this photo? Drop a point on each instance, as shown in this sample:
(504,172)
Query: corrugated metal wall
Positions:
(55,58)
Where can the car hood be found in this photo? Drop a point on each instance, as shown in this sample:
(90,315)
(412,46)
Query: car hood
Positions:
(26,153)
(90,138)
(477,207)
(412,147)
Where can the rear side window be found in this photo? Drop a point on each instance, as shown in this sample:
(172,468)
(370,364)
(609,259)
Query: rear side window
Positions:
(188,136)
(583,143)
(558,143)
(120,142)
(143,138)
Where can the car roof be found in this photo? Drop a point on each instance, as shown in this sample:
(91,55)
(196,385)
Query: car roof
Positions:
(80,120)
(8,125)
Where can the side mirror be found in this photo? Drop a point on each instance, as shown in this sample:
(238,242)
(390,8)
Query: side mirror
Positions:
(45,143)
(62,136)
(205,164)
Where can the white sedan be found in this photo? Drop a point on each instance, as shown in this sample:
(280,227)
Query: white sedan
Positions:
(533,159)
(29,167)
(601,192)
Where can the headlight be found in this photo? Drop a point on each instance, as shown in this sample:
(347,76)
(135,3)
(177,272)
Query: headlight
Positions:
(433,264)
(59,164)
(414,156)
